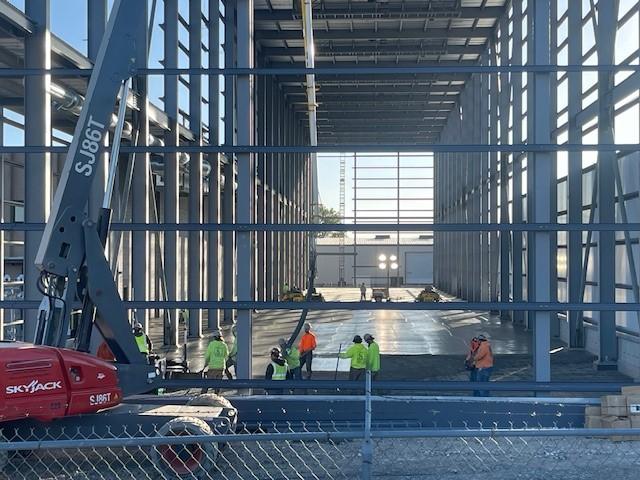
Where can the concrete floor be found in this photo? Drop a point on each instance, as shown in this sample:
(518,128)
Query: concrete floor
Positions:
(414,344)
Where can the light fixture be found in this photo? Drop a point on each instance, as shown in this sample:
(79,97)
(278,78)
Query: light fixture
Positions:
(393,258)
(394,266)
(382,266)
(382,257)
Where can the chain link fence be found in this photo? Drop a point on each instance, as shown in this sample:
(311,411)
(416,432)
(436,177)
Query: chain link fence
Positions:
(323,451)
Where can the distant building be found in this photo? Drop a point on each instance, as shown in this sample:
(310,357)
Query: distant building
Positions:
(414,258)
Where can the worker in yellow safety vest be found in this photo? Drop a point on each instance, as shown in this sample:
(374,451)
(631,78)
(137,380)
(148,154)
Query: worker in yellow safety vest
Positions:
(276,370)
(373,355)
(142,340)
(359,356)
(215,358)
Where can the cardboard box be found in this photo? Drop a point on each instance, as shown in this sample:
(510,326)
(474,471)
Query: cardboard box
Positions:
(593,422)
(633,405)
(592,411)
(617,422)
(610,421)
(613,401)
(631,391)
(615,411)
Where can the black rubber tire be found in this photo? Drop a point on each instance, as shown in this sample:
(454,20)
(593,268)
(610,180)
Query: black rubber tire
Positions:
(185,460)
(209,400)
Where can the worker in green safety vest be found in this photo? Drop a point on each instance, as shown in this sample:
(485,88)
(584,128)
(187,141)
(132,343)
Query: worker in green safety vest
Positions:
(215,358)
(373,355)
(358,355)
(142,340)
(276,370)
(292,356)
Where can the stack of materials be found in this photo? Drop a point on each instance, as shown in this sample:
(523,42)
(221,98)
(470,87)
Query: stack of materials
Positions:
(616,412)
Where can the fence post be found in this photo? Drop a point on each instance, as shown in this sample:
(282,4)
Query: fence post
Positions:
(367,447)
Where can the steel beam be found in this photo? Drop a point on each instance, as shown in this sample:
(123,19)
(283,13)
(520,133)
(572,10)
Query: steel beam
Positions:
(574,179)
(195,168)
(362,12)
(246,184)
(229,197)
(605,42)
(389,34)
(141,189)
(504,106)
(517,242)
(540,169)
(96,22)
(171,187)
(37,131)
(214,196)
(360,51)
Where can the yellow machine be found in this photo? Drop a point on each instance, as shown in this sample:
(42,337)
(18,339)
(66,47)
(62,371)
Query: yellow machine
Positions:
(293,296)
(428,294)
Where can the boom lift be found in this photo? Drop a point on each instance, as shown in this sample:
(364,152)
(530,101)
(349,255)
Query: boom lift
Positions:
(56,379)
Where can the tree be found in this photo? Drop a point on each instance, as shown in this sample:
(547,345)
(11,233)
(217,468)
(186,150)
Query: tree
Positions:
(327,215)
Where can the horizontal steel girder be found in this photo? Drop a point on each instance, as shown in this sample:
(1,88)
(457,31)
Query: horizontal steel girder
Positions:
(387,34)
(369,50)
(358,12)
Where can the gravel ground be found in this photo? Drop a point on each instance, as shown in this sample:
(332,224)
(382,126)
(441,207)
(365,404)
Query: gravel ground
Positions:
(442,459)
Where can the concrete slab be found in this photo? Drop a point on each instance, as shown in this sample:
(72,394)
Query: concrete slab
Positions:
(414,344)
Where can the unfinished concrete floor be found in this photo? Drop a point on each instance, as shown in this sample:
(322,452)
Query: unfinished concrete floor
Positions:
(417,345)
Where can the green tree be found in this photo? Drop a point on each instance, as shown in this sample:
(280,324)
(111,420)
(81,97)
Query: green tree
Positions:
(327,215)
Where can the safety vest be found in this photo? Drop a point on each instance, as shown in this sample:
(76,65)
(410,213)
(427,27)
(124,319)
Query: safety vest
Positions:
(141,341)
(292,356)
(279,371)
(216,355)
(373,354)
(358,355)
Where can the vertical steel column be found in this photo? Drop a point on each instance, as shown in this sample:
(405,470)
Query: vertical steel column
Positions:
(531,106)
(516,83)
(229,201)
(213,200)
(141,189)
(494,251)
(542,173)
(355,219)
(37,132)
(195,168)
(96,22)
(553,108)
(477,195)
(261,111)
(246,187)
(504,107)
(605,41)
(483,128)
(277,125)
(171,187)
(574,180)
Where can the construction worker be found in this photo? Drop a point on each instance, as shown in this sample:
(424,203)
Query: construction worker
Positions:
(276,370)
(142,339)
(483,361)
(468,361)
(373,355)
(306,347)
(358,355)
(285,288)
(363,292)
(292,357)
(215,358)
(233,354)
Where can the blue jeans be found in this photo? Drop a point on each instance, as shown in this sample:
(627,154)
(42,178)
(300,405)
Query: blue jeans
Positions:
(296,373)
(473,375)
(482,375)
